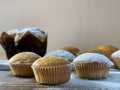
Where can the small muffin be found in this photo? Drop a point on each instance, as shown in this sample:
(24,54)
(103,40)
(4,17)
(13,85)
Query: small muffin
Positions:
(51,70)
(116,58)
(62,54)
(71,49)
(108,49)
(20,64)
(92,66)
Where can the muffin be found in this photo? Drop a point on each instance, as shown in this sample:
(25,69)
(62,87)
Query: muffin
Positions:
(20,64)
(108,50)
(62,54)
(51,70)
(116,58)
(71,49)
(27,39)
(92,66)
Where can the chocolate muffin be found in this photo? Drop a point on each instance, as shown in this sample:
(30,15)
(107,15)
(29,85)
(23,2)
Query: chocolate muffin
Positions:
(27,39)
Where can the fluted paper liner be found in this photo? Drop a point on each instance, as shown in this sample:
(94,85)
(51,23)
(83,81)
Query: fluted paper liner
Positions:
(91,70)
(52,75)
(21,69)
(117,63)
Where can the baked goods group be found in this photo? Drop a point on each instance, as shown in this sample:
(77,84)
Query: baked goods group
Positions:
(28,57)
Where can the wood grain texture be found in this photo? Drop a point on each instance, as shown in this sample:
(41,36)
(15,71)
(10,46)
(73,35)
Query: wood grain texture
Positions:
(13,82)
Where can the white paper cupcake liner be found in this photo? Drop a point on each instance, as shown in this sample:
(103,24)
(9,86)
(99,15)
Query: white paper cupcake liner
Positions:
(91,70)
(117,63)
(52,75)
(21,69)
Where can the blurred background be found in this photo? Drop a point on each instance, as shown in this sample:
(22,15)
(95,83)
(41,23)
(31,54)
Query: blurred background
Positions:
(81,23)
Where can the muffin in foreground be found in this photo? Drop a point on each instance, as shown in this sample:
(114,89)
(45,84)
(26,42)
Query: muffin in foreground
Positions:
(116,58)
(51,70)
(71,49)
(20,64)
(92,66)
(62,54)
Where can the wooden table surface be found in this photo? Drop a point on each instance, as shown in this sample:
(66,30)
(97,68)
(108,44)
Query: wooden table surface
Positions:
(10,82)
(112,82)
(2,56)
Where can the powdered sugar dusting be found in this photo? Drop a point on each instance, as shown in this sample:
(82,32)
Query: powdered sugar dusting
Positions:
(11,32)
(93,57)
(35,31)
(101,84)
(61,53)
(20,33)
(116,55)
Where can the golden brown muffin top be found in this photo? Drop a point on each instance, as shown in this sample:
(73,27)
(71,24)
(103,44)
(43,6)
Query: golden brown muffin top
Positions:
(50,61)
(71,49)
(108,48)
(91,51)
(24,57)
